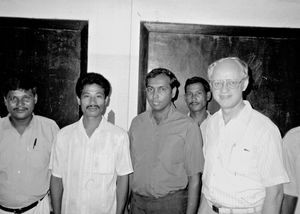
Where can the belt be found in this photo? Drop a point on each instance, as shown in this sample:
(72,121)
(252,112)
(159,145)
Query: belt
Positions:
(218,209)
(170,194)
(21,210)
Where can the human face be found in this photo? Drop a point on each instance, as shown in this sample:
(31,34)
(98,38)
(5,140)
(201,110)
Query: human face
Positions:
(228,97)
(20,104)
(196,97)
(159,93)
(93,101)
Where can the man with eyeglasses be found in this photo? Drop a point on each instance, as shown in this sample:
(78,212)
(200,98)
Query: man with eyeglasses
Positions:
(243,170)
(166,151)
(197,95)
(25,146)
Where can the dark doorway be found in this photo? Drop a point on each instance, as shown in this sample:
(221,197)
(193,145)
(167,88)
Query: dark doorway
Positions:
(55,53)
(188,49)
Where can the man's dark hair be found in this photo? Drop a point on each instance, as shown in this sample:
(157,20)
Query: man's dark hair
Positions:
(196,79)
(19,82)
(92,78)
(174,83)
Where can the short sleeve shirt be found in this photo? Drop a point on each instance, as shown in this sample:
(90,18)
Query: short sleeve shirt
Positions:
(24,161)
(291,154)
(242,158)
(89,166)
(164,155)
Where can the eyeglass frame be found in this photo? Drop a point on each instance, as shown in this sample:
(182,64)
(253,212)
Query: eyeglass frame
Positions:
(229,83)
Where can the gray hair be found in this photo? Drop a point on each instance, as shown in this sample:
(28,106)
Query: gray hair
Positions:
(243,65)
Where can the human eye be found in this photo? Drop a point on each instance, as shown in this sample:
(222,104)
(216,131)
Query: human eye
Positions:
(232,83)
(100,96)
(13,99)
(217,84)
(189,94)
(149,90)
(85,96)
(163,89)
(26,99)
(199,93)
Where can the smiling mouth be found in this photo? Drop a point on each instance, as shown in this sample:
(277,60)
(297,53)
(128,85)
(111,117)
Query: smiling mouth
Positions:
(20,109)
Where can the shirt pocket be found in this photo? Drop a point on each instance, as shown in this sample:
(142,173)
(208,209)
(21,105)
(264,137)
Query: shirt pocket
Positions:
(103,164)
(242,161)
(39,158)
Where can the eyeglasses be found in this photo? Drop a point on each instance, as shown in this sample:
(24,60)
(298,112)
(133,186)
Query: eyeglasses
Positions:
(229,83)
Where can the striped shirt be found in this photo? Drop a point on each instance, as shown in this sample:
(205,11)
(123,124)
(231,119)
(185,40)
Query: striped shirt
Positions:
(242,158)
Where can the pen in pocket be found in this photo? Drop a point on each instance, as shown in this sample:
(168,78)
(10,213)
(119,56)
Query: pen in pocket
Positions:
(34,144)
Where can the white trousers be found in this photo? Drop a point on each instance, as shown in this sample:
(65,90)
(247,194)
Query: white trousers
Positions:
(43,207)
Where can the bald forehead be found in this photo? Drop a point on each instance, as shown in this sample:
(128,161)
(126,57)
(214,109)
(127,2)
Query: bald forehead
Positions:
(228,65)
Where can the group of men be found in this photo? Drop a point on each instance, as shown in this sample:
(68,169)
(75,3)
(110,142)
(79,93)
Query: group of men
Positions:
(158,167)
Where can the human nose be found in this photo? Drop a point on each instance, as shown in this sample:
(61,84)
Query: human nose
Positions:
(156,92)
(224,86)
(93,100)
(20,102)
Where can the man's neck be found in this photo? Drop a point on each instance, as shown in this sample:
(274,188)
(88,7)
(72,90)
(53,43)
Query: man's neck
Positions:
(231,113)
(90,124)
(199,116)
(160,116)
(20,125)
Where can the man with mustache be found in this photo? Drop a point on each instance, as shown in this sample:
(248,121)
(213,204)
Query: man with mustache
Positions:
(197,96)
(166,148)
(25,146)
(91,158)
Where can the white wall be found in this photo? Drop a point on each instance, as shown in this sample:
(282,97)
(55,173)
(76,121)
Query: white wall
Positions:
(114,30)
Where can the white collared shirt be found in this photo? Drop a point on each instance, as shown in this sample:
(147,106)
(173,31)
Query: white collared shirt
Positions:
(242,158)
(89,166)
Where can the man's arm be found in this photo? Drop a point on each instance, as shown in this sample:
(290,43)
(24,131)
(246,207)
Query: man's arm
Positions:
(193,193)
(288,204)
(56,191)
(122,193)
(273,199)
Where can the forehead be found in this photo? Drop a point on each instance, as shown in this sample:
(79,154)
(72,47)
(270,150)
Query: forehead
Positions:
(227,70)
(93,88)
(20,93)
(159,80)
(195,87)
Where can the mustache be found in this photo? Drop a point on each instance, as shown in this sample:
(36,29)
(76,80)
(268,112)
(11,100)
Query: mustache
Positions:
(93,106)
(192,103)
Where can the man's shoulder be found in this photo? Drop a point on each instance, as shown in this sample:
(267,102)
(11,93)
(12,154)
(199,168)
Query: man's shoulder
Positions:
(68,129)
(292,138)
(115,129)
(141,118)
(261,121)
(45,120)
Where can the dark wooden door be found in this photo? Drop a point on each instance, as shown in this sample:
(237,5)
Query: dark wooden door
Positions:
(55,53)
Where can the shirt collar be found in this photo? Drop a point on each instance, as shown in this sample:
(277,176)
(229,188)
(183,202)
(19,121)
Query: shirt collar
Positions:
(171,111)
(7,124)
(101,125)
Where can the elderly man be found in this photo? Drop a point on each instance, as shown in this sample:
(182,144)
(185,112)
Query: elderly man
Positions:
(243,170)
